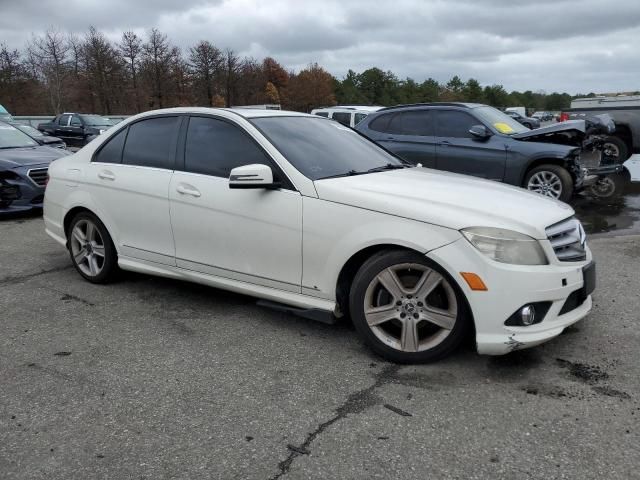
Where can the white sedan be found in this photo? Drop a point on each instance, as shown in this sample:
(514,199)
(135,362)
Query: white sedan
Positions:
(316,219)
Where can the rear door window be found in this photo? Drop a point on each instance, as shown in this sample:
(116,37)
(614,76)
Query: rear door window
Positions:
(456,124)
(64,120)
(151,143)
(342,117)
(358,117)
(412,122)
(381,122)
(111,151)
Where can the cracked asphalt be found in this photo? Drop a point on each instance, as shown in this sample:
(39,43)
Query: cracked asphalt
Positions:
(150,378)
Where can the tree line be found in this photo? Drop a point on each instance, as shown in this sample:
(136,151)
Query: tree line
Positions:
(58,72)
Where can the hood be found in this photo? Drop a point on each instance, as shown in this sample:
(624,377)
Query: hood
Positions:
(46,140)
(573,127)
(22,157)
(447,199)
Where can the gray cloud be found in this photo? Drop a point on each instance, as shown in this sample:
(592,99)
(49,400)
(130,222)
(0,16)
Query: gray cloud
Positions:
(553,45)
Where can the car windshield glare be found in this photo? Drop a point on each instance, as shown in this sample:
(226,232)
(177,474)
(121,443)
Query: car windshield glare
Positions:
(500,121)
(11,137)
(321,148)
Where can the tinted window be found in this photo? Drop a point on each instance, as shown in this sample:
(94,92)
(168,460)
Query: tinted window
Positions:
(111,152)
(322,114)
(381,123)
(342,117)
(63,119)
(214,147)
(416,122)
(149,143)
(455,124)
(358,117)
(319,148)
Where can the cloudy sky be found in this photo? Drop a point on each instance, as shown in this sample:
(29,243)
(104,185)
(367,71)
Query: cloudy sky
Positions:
(550,45)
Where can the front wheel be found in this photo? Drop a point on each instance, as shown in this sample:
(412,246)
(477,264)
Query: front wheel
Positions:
(91,248)
(609,186)
(406,308)
(551,181)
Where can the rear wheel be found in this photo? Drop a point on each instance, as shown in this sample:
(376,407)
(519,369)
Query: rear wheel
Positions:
(91,248)
(551,181)
(407,308)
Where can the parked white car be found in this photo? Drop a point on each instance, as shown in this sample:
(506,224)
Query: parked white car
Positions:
(347,115)
(302,211)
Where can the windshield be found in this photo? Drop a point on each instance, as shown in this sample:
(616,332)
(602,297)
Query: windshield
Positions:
(95,120)
(11,137)
(321,148)
(500,121)
(29,130)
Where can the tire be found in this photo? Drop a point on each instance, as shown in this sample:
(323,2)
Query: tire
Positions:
(610,186)
(615,149)
(404,333)
(528,125)
(550,180)
(91,249)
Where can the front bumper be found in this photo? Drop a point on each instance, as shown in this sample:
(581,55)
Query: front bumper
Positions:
(510,287)
(30,195)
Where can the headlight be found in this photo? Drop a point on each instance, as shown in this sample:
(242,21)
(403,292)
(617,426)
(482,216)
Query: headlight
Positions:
(101,131)
(506,246)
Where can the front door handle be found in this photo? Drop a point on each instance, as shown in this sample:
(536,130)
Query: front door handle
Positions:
(185,189)
(106,175)
(444,143)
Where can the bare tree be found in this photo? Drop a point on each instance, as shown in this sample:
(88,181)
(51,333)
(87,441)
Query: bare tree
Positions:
(131,49)
(50,56)
(103,68)
(11,75)
(231,72)
(206,61)
(156,65)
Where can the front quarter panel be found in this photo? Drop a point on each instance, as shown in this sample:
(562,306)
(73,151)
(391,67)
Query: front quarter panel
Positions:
(334,232)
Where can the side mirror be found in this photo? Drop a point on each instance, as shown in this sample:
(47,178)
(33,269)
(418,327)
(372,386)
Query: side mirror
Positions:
(480,132)
(252,176)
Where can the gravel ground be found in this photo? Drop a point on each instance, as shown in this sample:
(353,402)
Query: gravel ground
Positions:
(151,379)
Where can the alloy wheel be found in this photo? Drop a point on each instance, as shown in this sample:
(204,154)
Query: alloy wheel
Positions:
(410,307)
(546,183)
(87,247)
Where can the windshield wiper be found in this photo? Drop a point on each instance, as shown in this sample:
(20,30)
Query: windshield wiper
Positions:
(388,166)
(350,173)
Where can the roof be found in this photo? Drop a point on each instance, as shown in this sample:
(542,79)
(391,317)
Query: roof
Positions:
(243,112)
(437,104)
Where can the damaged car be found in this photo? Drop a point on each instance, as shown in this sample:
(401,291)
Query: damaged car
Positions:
(23,170)
(479,140)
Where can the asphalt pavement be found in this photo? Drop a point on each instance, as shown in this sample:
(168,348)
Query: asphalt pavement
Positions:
(151,378)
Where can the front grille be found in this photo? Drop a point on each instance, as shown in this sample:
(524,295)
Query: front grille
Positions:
(568,240)
(39,176)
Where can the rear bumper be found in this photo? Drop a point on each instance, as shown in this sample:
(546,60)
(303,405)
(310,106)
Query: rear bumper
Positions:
(510,287)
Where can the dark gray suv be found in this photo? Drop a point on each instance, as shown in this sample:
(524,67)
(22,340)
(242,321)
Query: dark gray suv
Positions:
(478,140)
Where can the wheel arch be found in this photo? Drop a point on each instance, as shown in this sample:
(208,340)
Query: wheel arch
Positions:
(68,217)
(351,267)
(561,162)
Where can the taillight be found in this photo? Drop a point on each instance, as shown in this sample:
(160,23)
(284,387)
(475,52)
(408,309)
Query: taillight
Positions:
(564,117)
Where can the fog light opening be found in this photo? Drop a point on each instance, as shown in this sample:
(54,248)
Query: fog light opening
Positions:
(528,315)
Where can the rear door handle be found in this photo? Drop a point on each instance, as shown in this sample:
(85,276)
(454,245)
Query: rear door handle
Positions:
(106,175)
(185,189)
(444,143)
